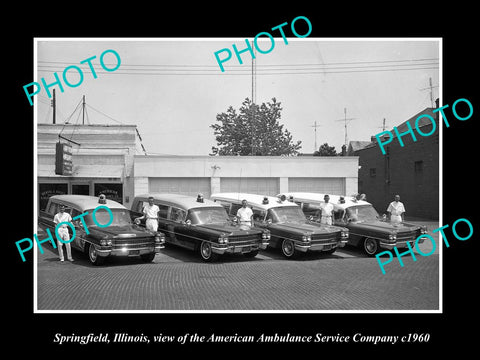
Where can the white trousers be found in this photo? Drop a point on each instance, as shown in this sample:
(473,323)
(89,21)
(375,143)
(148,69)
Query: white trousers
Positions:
(395,218)
(151,224)
(65,236)
(326,220)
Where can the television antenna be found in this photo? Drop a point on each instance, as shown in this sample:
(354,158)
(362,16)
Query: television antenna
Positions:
(345,120)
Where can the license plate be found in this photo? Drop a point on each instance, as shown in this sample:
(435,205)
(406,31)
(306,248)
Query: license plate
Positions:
(134,252)
(246,249)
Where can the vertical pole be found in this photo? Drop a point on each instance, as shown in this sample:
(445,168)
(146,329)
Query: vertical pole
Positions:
(83,111)
(53,105)
(252,75)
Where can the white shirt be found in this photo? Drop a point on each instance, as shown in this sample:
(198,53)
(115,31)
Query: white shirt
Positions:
(244,214)
(396,208)
(151,211)
(326,208)
(59,218)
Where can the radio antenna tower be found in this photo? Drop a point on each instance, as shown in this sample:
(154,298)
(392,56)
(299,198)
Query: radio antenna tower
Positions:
(345,120)
(315,126)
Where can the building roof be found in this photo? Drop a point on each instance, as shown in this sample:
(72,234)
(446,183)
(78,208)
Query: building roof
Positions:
(423,121)
(355,145)
(184,201)
(253,200)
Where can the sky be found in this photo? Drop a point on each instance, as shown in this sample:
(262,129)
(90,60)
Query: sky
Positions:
(172,88)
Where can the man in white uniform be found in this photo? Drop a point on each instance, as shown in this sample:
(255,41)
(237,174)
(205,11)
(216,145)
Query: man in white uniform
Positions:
(62,231)
(396,209)
(326,210)
(244,214)
(150,214)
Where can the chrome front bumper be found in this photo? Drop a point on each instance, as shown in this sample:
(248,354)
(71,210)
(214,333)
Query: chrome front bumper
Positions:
(400,244)
(237,249)
(319,247)
(105,251)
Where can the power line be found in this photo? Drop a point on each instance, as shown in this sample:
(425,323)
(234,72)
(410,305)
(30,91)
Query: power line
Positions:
(261,68)
(91,107)
(248,73)
(263,65)
(267,69)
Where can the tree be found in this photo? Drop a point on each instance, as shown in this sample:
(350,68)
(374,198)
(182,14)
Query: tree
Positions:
(325,150)
(253,130)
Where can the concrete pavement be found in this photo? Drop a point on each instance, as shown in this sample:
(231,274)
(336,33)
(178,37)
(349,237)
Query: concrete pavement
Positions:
(179,280)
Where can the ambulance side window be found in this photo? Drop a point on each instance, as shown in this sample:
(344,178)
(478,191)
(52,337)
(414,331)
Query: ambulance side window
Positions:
(235,208)
(52,208)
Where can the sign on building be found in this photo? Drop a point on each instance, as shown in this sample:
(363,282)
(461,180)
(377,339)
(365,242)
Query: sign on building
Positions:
(63,159)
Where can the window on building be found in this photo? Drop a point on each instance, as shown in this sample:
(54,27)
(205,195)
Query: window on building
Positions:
(45,191)
(81,189)
(418,167)
(112,191)
(418,173)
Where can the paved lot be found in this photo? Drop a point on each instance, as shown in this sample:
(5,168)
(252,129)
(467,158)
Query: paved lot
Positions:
(179,280)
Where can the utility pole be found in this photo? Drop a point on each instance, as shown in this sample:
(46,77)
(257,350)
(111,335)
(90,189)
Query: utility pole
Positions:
(53,105)
(345,120)
(83,111)
(254,75)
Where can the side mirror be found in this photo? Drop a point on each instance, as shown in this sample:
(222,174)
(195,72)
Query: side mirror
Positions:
(310,218)
(235,219)
(188,222)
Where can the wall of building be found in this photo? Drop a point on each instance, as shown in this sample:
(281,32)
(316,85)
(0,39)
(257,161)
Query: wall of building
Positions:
(102,157)
(412,171)
(105,160)
(266,174)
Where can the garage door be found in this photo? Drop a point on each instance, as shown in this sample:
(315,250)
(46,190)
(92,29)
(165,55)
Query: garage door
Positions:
(261,186)
(186,186)
(335,186)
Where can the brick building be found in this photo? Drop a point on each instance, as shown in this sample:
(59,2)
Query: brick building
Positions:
(412,171)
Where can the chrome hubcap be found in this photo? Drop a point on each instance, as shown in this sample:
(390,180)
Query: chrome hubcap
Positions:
(370,246)
(287,247)
(92,253)
(206,250)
